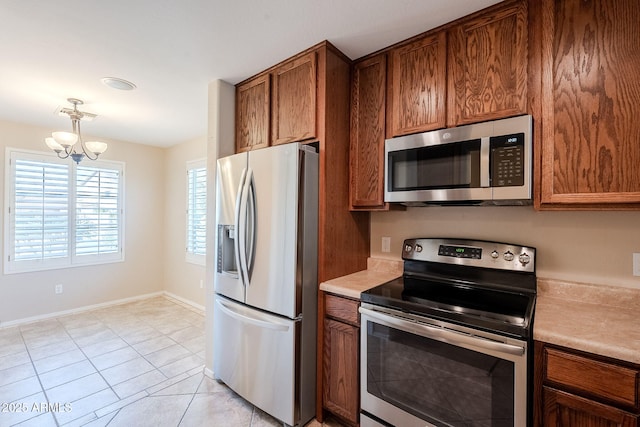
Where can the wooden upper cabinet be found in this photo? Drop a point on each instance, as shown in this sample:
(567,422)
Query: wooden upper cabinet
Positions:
(590,104)
(417,86)
(488,65)
(368,100)
(252,113)
(294,100)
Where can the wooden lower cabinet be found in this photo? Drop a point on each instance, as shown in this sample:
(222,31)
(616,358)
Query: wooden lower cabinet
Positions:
(577,389)
(341,368)
(564,409)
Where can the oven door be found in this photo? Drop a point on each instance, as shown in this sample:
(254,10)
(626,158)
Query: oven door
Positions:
(417,371)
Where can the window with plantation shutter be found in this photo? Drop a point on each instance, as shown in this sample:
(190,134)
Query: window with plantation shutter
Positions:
(97,211)
(40,211)
(60,214)
(196,211)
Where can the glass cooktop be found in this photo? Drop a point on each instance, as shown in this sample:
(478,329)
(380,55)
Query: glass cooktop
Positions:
(471,304)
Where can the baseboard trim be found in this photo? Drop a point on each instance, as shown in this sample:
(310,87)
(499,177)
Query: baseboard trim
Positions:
(169,295)
(38,318)
(209,373)
(184,301)
(33,319)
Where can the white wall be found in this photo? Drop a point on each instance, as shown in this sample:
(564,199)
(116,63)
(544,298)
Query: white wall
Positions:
(26,295)
(182,278)
(220,143)
(587,246)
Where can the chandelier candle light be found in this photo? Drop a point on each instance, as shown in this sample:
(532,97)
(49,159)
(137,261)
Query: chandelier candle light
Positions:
(65,143)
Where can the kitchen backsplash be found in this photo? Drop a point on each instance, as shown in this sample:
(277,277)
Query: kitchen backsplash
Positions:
(591,247)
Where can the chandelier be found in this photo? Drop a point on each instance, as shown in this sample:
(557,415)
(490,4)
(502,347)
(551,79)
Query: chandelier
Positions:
(70,144)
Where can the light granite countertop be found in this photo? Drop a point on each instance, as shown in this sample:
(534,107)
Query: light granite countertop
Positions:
(598,319)
(378,272)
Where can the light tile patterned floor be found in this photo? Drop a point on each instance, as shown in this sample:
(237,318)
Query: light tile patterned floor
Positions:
(135,364)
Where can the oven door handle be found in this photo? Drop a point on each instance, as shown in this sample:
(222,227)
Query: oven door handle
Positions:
(441,334)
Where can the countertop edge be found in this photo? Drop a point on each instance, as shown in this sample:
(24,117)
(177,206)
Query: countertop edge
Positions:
(596,319)
(581,316)
(378,271)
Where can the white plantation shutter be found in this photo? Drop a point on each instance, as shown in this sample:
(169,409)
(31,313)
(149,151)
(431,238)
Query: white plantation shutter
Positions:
(97,211)
(40,210)
(196,211)
(60,214)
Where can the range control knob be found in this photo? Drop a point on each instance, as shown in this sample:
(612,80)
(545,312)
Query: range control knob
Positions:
(418,248)
(495,254)
(407,248)
(508,256)
(524,258)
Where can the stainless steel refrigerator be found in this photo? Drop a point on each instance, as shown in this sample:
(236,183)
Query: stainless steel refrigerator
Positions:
(264,332)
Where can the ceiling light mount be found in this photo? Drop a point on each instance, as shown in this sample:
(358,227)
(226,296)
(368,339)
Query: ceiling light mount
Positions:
(70,144)
(81,115)
(118,83)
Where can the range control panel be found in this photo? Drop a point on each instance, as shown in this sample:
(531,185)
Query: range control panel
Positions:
(477,253)
(460,251)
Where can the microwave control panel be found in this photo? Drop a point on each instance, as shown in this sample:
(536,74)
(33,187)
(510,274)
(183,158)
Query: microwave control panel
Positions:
(507,160)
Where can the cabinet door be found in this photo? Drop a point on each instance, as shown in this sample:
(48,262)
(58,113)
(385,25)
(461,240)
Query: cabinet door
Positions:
(566,410)
(252,114)
(340,370)
(488,66)
(596,379)
(294,100)
(368,133)
(417,86)
(590,102)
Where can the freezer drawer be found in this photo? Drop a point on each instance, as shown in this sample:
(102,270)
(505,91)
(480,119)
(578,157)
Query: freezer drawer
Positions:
(254,354)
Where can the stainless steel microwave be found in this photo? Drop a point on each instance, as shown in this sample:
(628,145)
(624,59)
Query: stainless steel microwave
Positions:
(483,163)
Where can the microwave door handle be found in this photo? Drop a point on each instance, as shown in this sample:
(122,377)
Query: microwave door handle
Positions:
(485,160)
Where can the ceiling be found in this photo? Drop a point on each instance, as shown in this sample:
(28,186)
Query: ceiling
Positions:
(54,50)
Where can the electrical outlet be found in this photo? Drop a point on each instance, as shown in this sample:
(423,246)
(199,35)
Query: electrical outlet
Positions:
(58,289)
(386,244)
(636,264)
(201,284)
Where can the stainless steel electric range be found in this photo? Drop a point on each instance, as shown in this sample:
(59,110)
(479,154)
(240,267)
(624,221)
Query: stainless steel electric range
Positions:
(450,342)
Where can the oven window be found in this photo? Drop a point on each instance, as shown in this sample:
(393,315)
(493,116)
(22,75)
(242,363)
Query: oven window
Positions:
(455,165)
(441,383)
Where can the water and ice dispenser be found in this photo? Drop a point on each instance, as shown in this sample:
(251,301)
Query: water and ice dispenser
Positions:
(226,253)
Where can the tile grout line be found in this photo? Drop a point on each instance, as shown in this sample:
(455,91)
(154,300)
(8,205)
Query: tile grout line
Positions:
(99,371)
(44,392)
(190,401)
(103,323)
(130,345)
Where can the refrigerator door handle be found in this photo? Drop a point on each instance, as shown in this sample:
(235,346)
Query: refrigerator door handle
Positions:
(242,227)
(238,212)
(252,221)
(252,320)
